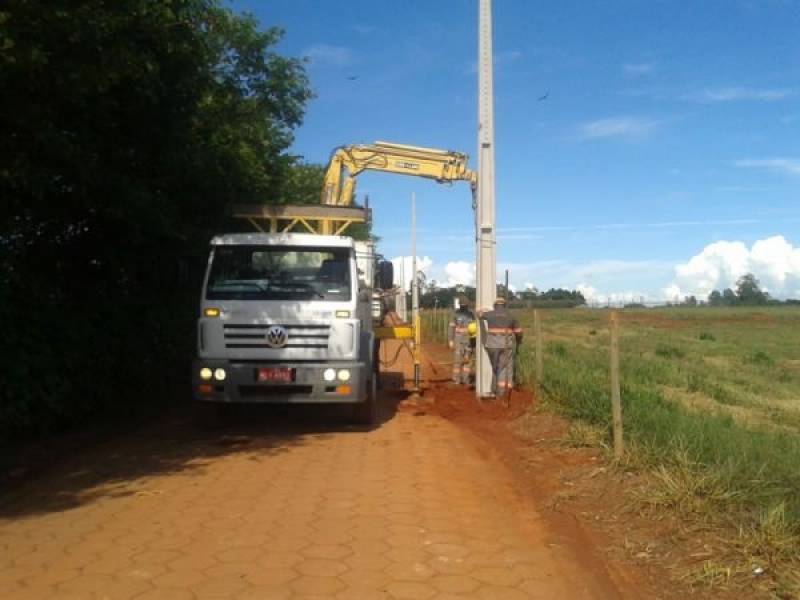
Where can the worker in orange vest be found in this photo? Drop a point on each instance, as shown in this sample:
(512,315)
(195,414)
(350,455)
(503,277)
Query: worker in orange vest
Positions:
(458,338)
(501,335)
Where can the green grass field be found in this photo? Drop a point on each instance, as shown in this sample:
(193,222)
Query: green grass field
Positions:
(711,409)
(741,363)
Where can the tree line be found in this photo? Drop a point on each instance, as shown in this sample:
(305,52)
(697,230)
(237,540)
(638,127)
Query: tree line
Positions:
(747,292)
(434,296)
(129,128)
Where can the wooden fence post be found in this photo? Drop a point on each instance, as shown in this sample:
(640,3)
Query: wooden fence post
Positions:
(616,405)
(537,332)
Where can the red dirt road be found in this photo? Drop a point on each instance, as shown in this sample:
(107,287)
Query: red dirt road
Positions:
(295,504)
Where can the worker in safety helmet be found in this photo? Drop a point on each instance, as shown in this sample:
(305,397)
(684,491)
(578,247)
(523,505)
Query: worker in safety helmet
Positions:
(501,336)
(458,339)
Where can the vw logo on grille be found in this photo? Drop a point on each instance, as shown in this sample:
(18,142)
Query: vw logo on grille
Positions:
(277,337)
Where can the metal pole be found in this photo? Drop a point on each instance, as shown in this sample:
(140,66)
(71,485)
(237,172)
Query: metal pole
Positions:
(507,293)
(401,306)
(414,306)
(537,328)
(486,280)
(415,292)
(616,404)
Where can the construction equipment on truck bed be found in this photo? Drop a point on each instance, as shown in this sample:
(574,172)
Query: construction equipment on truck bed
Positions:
(443,166)
(336,212)
(313,218)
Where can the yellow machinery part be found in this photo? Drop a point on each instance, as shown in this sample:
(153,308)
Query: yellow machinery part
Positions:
(398,332)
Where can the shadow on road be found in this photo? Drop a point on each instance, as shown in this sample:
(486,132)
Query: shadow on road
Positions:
(119,466)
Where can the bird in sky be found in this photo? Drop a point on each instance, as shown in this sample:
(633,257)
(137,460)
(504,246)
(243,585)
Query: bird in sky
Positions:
(544,97)
(352,77)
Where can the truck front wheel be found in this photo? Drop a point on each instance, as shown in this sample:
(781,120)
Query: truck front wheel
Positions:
(208,415)
(366,412)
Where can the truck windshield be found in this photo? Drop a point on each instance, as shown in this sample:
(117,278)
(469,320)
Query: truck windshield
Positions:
(279,273)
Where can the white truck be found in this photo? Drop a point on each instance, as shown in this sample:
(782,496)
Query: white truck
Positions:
(288,318)
(291,317)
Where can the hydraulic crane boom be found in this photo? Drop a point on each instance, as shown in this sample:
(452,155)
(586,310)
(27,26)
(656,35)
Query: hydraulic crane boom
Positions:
(443,166)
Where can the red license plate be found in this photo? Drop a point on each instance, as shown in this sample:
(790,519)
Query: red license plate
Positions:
(275,375)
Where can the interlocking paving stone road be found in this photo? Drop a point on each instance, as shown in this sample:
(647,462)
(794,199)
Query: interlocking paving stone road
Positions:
(411,509)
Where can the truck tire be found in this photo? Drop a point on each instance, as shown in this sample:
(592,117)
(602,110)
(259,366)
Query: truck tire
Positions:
(376,363)
(208,415)
(366,412)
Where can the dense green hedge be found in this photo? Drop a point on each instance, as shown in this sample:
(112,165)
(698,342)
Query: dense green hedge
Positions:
(128,129)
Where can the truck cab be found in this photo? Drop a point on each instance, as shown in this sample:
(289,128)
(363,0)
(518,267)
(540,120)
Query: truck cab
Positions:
(287,318)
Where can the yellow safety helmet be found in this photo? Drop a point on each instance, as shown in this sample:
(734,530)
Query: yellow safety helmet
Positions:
(472,328)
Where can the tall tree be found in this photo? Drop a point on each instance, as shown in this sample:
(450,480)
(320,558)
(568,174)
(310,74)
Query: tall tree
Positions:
(127,128)
(729,297)
(749,292)
(303,184)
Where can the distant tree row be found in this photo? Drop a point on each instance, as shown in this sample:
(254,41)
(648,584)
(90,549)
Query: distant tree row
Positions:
(748,293)
(434,296)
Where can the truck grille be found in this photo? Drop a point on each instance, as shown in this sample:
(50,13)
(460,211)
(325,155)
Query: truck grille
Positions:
(255,336)
(264,392)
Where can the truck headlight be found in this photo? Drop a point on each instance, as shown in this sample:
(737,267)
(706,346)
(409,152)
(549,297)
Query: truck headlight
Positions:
(329,374)
(219,374)
(205,373)
(344,375)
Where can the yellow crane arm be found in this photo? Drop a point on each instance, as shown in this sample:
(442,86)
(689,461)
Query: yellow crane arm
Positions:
(443,166)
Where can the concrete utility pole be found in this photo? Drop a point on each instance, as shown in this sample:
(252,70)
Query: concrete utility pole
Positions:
(402,309)
(415,293)
(414,299)
(486,282)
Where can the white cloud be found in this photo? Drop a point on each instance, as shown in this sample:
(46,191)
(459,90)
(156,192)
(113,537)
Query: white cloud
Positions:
(774,261)
(734,94)
(789,166)
(592,296)
(403,269)
(619,127)
(325,54)
(601,280)
(589,292)
(637,69)
(459,272)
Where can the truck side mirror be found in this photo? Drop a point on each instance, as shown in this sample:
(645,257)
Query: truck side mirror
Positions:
(385,275)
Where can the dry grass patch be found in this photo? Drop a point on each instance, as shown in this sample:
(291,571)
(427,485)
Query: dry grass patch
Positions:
(586,435)
(710,575)
(687,487)
(700,403)
(770,540)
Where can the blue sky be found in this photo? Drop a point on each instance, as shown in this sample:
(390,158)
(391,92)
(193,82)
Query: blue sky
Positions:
(670,138)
